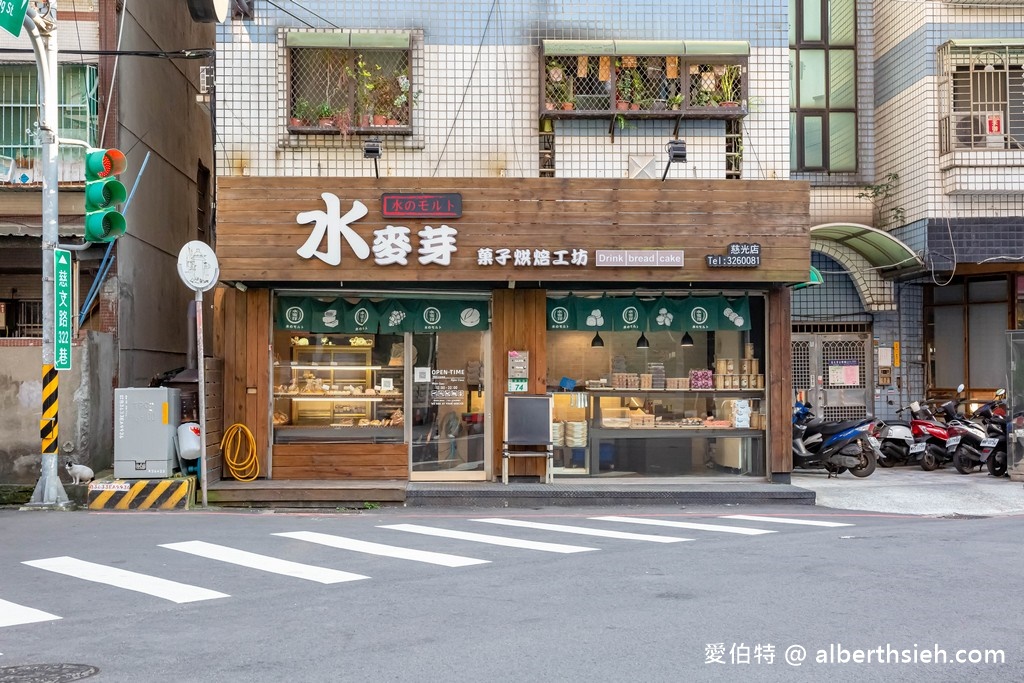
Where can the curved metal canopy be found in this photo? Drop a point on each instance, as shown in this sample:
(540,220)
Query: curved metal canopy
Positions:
(880,249)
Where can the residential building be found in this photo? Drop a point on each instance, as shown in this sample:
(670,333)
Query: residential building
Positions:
(123,84)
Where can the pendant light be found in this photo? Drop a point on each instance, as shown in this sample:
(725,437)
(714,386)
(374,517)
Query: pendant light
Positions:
(642,342)
(597,342)
(687,340)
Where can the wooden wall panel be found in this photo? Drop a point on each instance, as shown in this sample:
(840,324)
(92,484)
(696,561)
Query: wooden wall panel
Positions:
(336,461)
(780,381)
(242,340)
(519,322)
(214,379)
(258,234)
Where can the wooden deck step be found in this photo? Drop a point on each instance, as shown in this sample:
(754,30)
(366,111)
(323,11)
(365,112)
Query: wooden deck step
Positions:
(303,492)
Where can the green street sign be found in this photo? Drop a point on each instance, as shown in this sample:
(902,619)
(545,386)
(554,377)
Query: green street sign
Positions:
(62,308)
(12,15)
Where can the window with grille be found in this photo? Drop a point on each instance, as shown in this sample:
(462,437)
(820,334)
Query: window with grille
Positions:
(981,95)
(20,146)
(644,79)
(823,85)
(341,83)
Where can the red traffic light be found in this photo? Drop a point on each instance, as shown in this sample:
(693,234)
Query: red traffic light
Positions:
(104,163)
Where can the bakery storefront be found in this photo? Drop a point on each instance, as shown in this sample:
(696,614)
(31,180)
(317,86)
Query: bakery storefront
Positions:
(373,328)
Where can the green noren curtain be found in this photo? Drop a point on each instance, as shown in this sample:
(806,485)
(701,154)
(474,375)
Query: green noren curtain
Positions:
(562,313)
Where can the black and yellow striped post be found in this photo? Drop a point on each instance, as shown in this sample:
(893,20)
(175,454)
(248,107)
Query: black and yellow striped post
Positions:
(48,423)
(49,489)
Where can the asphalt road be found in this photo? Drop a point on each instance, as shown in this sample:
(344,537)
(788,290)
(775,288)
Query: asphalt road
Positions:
(422,607)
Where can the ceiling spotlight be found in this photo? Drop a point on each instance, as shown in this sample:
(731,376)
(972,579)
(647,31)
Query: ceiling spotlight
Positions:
(642,342)
(676,150)
(687,340)
(372,149)
(597,342)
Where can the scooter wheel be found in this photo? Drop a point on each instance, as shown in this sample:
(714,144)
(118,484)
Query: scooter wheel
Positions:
(997,464)
(929,462)
(867,464)
(962,462)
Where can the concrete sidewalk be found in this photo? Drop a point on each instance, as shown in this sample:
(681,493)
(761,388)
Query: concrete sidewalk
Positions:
(911,490)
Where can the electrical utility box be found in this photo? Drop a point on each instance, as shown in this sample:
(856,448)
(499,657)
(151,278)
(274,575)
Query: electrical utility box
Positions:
(145,428)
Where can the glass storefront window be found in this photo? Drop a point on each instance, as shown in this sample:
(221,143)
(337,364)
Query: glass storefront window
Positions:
(663,408)
(448,402)
(337,388)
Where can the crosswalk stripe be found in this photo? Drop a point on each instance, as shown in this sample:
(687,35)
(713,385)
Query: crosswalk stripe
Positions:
(121,578)
(687,525)
(381,549)
(485,538)
(12,614)
(784,520)
(604,533)
(265,563)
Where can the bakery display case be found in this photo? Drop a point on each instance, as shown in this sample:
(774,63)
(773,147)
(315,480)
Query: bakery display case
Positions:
(333,391)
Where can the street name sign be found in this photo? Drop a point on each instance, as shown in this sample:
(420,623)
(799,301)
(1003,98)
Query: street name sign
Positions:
(61,308)
(12,15)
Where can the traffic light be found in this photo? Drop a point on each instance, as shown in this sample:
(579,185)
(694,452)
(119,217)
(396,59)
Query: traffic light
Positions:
(103,192)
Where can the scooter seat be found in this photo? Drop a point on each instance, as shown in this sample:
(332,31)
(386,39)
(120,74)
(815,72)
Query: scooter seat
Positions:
(897,423)
(836,427)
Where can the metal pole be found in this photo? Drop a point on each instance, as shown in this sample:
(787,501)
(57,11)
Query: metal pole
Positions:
(49,489)
(202,393)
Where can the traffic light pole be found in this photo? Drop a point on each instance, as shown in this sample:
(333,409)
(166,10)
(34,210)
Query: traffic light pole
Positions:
(49,489)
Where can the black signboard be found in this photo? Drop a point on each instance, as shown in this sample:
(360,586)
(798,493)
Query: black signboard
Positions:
(421,205)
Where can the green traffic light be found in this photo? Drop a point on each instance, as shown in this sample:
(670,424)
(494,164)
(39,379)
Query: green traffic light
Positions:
(100,194)
(104,226)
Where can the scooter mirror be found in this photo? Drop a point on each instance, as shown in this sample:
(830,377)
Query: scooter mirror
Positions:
(959,388)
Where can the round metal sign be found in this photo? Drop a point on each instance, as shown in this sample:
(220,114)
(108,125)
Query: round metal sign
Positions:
(197,266)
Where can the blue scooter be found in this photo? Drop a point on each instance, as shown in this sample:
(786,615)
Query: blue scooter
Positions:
(834,446)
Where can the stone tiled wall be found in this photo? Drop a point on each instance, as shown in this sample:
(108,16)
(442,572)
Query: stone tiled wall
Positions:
(477,64)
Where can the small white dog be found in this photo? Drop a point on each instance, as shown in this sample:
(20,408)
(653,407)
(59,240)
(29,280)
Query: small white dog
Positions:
(80,474)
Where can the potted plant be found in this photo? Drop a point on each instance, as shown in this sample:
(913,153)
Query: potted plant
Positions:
(401,105)
(623,89)
(675,101)
(729,86)
(302,112)
(385,92)
(325,115)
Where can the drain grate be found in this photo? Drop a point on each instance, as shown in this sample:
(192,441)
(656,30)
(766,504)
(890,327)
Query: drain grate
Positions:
(957,515)
(46,673)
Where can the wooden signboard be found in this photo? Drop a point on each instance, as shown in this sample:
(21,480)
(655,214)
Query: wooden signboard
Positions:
(306,229)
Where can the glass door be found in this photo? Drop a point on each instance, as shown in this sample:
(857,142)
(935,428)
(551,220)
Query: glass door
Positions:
(450,406)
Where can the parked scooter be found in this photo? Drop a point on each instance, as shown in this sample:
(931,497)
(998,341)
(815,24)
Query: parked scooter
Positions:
(969,438)
(833,446)
(896,437)
(930,435)
(995,453)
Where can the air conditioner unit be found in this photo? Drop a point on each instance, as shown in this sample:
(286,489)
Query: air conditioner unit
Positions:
(980,130)
(6,169)
(207,80)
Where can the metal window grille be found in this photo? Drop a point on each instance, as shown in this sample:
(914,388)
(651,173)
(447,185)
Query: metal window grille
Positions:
(802,377)
(981,97)
(831,328)
(333,90)
(591,84)
(19,114)
(30,319)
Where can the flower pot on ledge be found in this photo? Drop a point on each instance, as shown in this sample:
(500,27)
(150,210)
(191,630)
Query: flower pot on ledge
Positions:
(380,120)
(621,105)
